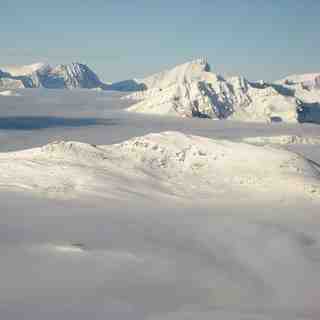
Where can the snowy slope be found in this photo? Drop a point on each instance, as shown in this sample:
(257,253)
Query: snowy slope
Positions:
(10,84)
(182,73)
(164,79)
(308,79)
(209,253)
(74,75)
(24,70)
(167,164)
(71,76)
(192,90)
(306,86)
(9,93)
(187,90)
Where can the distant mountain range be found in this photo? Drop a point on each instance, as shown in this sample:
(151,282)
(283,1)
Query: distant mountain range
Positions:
(187,90)
(71,76)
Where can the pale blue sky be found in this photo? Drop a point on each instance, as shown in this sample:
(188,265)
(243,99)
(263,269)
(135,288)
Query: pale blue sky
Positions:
(121,39)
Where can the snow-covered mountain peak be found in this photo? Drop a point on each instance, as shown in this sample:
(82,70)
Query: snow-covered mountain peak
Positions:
(74,75)
(180,74)
(24,70)
(188,90)
(77,75)
(191,90)
(66,76)
(201,63)
(74,68)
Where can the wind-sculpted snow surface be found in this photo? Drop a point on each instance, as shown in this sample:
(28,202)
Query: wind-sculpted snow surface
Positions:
(169,164)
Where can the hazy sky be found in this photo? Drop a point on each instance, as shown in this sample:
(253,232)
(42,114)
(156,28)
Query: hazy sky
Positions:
(125,38)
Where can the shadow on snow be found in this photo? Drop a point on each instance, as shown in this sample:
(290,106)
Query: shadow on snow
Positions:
(43,122)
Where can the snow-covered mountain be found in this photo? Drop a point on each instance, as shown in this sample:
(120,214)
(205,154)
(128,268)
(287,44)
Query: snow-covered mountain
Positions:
(187,90)
(71,76)
(167,163)
(191,90)
(306,88)
(24,70)
(10,83)
(310,80)
(74,75)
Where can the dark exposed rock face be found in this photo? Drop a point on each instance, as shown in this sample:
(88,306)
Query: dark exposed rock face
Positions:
(72,76)
(309,112)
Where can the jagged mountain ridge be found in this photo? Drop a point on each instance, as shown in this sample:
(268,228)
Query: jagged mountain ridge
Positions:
(191,90)
(74,75)
(71,76)
(187,90)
